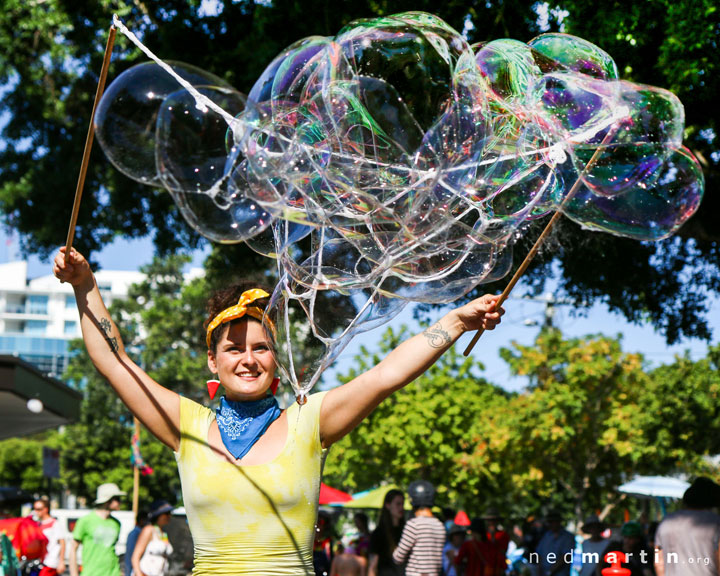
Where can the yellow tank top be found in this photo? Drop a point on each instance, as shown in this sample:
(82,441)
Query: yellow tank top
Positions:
(255,519)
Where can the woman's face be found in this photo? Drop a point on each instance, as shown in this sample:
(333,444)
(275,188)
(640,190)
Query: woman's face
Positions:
(395,507)
(243,361)
(163,520)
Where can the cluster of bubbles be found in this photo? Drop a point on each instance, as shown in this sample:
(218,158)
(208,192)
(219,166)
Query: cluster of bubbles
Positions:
(405,159)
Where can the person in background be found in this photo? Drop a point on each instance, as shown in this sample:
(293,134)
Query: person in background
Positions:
(691,534)
(554,546)
(474,556)
(54,559)
(141,521)
(498,541)
(638,556)
(363,530)
(386,536)
(323,544)
(347,561)
(151,556)
(456,537)
(593,546)
(97,533)
(423,537)
(448,517)
(532,532)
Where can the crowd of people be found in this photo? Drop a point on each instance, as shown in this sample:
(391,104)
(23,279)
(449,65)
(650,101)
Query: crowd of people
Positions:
(426,542)
(685,543)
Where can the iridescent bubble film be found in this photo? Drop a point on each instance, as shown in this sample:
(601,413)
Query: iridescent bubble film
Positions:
(404,162)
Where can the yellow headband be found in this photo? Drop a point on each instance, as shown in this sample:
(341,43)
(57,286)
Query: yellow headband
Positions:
(239,310)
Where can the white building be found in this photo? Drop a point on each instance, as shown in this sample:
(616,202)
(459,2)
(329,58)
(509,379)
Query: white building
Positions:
(39,317)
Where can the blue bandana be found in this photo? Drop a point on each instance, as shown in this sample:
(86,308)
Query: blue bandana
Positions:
(242,423)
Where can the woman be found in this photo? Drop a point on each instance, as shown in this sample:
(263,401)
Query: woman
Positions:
(251,474)
(151,556)
(384,539)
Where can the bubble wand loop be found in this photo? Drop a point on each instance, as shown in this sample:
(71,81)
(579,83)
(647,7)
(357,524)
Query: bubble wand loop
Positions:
(89,142)
(548,228)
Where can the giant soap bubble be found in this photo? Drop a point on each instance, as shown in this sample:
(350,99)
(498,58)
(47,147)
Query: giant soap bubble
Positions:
(405,159)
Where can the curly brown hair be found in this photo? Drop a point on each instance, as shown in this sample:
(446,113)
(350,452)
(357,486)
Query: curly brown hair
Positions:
(225,298)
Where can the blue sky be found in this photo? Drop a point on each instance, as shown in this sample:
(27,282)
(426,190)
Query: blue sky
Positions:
(517,324)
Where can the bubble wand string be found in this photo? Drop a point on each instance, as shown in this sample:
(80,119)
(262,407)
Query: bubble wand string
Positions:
(548,228)
(89,141)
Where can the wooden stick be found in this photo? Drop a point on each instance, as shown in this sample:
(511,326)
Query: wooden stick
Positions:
(548,228)
(136,474)
(89,142)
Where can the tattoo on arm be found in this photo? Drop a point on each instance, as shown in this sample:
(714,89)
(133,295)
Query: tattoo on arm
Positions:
(105,325)
(437,337)
(107,328)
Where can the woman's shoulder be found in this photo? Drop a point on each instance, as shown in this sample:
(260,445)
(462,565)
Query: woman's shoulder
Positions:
(311,407)
(193,414)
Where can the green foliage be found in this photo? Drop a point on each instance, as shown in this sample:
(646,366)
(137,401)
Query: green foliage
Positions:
(421,431)
(171,347)
(51,52)
(684,400)
(577,431)
(21,461)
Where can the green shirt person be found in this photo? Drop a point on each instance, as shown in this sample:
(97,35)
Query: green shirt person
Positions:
(97,533)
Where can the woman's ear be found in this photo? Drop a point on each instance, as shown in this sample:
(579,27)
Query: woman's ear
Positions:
(211,362)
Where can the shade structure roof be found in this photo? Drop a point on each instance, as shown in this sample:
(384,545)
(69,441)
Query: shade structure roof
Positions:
(655,487)
(373,499)
(20,382)
(329,495)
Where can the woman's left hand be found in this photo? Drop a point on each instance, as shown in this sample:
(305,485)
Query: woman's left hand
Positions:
(481,313)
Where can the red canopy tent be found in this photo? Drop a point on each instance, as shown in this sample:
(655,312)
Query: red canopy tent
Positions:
(330,495)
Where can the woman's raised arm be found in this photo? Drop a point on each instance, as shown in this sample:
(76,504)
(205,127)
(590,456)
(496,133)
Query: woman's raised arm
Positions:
(344,407)
(155,406)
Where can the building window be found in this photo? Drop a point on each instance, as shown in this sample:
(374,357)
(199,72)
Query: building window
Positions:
(70,328)
(35,327)
(36,304)
(69,302)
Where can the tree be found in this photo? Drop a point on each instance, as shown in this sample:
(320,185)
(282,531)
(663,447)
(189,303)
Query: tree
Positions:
(591,418)
(421,431)
(50,55)
(21,461)
(684,399)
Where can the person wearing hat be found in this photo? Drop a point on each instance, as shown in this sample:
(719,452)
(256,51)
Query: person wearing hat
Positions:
(250,471)
(554,546)
(498,541)
(423,537)
(151,556)
(687,541)
(456,537)
(97,533)
(593,546)
(638,556)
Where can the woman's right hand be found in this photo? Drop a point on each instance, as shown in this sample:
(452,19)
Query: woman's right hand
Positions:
(76,271)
